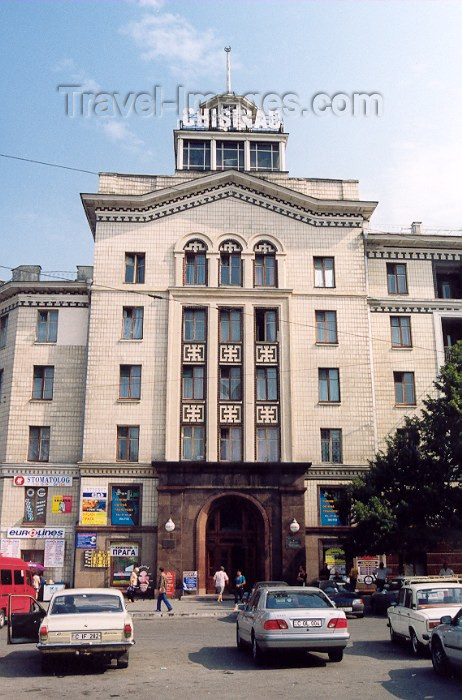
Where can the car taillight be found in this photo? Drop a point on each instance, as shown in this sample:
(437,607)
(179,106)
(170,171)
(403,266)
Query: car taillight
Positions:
(43,633)
(337,623)
(275,625)
(433,623)
(128,630)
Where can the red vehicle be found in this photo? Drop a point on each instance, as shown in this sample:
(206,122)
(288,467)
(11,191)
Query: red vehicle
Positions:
(15,577)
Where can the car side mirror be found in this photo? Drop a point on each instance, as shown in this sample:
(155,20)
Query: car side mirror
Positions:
(446,620)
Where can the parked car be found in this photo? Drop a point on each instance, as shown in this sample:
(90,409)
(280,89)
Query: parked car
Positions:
(15,578)
(264,584)
(382,600)
(79,622)
(446,644)
(344,599)
(422,601)
(291,618)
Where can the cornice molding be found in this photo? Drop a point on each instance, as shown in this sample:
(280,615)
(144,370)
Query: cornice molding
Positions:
(49,304)
(413,255)
(413,307)
(115,471)
(335,472)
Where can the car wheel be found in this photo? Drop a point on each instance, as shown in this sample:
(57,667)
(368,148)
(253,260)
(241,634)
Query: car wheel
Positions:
(2,618)
(257,653)
(393,635)
(239,642)
(439,658)
(122,661)
(417,647)
(335,655)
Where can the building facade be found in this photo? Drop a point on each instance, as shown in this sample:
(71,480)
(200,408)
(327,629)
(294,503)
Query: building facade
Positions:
(240,349)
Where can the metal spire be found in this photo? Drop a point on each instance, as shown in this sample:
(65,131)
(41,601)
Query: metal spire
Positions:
(228,70)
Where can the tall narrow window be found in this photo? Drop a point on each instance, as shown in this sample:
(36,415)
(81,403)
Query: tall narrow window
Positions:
(130,382)
(329,385)
(195,262)
(230,444)
(42,388)
(267,444)
(128,438)
(39,444)
(193,442)
(132,328)
(47,326)
(193,383)
(230,264)
(400,331)
(265,325)
(324,275)
(265,265)
(230,384)
(196,155)
(404,388)
(134,268)
(331,445)
(3,330)
(396,278)
(194,325)
(326,327)
(267,384)
(230,325)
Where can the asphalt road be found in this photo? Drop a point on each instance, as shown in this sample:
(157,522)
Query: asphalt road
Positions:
(196,658)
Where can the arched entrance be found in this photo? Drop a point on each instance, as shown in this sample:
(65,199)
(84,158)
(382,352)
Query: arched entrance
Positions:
(235,538)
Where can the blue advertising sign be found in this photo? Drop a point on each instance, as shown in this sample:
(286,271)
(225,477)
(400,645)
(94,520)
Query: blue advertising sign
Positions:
(190,580)
(85,540)
(329,507)
(125,505)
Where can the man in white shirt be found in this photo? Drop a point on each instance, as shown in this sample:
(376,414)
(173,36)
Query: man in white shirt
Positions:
(221,579)
(446,570)
(380,576)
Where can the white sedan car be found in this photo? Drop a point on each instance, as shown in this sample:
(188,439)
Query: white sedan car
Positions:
(79,622)
(292,618)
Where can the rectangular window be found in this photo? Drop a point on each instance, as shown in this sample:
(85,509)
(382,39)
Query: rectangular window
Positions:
(3,330)
(331,445)
(128,437)
(194,325)
(35,504)
(196,268)
(193,383)
(329,385)
(126,505)
(267,384)
(196,155)
(230,384)
(264,156)
(230,269)
(193,442)
(267,444)
(230,325)
(324,274)
(130,382)
(39,444)
(43,383)
(404,388)
(265,270)
(134,268)
(265,325)
(401,331)
(396,278)
(230,444)
(326,327)
(230,155)
(132,327)
(47,326)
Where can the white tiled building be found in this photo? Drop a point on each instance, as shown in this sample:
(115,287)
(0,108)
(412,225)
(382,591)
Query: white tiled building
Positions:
(250,344)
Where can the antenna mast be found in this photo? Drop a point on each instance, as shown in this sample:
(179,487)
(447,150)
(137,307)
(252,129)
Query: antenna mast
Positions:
(228,70)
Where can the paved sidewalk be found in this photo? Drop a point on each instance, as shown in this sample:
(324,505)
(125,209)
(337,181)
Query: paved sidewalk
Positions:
(188,606)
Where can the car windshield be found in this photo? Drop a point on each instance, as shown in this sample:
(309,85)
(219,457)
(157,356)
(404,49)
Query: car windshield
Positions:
(439,596)
(85,603)
(284,600)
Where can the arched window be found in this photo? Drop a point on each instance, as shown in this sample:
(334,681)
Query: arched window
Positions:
(265,270)
(195,263)
(230,263)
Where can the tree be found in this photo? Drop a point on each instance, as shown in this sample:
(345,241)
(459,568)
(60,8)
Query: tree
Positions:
(411,497)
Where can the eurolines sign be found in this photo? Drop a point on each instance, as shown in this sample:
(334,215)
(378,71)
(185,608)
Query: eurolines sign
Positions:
(37,533)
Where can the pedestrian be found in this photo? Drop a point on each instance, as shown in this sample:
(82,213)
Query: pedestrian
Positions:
(380,576)
(220,578)
(301,576)
(42,586)
(162,590)
(239,588)
(354,573)
(36,584)
(133,585)
(446,570)
(324,572)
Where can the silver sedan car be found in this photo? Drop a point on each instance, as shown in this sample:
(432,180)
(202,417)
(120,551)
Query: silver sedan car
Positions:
(292,617)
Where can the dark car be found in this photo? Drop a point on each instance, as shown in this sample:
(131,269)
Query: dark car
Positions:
(382,600)
(264,584)
(348,601)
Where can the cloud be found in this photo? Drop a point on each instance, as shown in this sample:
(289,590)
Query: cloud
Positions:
(76,76)
(119,132)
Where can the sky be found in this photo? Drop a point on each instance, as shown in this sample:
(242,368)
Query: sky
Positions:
(408,158)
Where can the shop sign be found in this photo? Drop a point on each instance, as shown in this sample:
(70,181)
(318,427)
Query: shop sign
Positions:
(170,584)
(96,558)
(61,504)
(293,542)
(85,540)
(190,580)
(42,480)
(36,533)
(124,558)
(10,548)
(35,504)
(125,505)
(94,506)
(54,553)
(336,560)
(332,507)
(124,550)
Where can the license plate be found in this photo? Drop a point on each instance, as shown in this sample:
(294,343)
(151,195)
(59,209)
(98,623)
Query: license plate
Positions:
(84,636)
(346,609)
(307,623)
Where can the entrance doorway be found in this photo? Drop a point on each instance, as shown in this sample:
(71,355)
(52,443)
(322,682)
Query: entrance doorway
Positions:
(235,539)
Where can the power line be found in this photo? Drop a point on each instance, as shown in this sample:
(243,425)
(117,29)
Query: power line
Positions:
(50,165)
